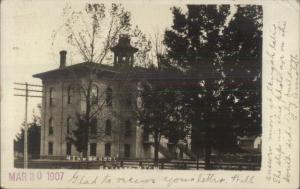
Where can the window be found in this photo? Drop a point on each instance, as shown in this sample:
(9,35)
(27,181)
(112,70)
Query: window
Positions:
(127,128)
(107,149)
(127,150)
(69,148)
(69,125)
(50,148)
(70,93)
(146,133)
(51,95)
(108,127)
(51,126)
(109,96)
(93,126)
(94,94)
(93,147)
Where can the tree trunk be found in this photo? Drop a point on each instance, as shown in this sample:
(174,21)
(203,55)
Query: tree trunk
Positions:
(208,147)
(87,118)
(156,146)
(86,140)
(207,155)
(85,151)
(197,141)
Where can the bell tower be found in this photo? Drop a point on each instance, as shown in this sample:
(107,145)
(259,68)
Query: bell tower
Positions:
(123,52)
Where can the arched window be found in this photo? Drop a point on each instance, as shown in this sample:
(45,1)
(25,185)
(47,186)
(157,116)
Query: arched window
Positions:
(69,125)
(109,96)
(127,128)
(51,126)
(142,90)
(51,96)
(94,94)
(70,94)
(108,127)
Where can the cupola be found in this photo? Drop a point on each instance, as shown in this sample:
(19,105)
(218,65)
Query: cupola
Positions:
(123,52)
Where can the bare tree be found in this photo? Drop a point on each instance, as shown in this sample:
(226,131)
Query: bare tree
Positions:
(158,50)
(95,30)
(140,40)
(91,33)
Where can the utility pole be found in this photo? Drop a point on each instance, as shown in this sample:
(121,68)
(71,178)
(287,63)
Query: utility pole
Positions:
(27,90)
(26,129)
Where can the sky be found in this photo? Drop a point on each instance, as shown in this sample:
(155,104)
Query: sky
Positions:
(27,40)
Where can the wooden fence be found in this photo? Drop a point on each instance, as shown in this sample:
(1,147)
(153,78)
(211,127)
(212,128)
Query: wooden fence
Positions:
(135,164)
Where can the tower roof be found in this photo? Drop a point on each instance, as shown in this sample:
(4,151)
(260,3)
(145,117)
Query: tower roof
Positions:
(124,45)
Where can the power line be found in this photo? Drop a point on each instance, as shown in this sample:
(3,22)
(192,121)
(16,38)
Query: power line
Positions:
(28,90)
(34,85)
(26,95)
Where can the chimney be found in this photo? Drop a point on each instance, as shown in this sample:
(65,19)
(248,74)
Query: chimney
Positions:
(63,54)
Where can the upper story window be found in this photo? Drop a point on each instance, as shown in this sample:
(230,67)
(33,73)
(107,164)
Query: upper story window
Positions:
(127,128)
(109,96)
(94,94)
(70,94)
(108,127)
(51,96)
(69,125)
(51,126)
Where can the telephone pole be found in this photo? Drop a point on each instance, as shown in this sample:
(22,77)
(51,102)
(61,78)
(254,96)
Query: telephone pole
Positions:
(26,95)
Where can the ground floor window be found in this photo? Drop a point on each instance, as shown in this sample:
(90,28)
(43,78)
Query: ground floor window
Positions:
(50,148)
(94,126)
(108,127)
(93,147)
(146,134)
(107,150)
(69,148)
(127,128)
(127,150)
